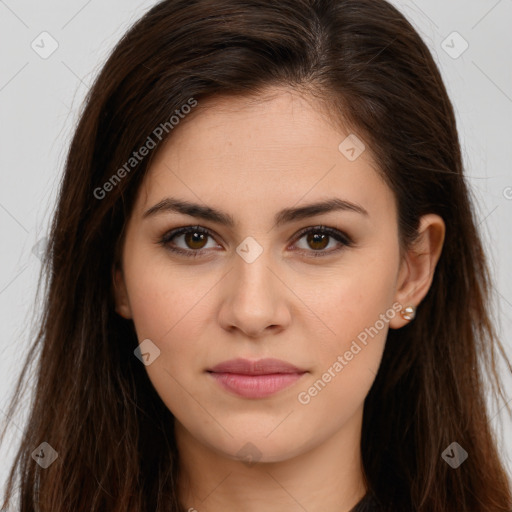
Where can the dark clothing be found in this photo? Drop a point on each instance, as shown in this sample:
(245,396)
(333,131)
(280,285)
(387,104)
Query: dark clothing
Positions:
(367,504)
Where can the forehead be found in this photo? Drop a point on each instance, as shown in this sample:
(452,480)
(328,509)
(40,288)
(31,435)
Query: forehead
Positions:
(264,150)
(278,122)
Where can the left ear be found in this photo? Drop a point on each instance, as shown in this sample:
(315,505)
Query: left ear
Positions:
(418,265)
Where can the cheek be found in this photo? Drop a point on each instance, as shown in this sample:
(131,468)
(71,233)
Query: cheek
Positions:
(170,307)
(161,295)
(167,308)
(353,300)
(357,310)
(154,305)
(347,363)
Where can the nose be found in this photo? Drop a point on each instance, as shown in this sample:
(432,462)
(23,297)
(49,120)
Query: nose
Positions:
(254,298)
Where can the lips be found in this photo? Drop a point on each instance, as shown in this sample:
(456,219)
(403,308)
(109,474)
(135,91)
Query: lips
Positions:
(255,379)
(261,367)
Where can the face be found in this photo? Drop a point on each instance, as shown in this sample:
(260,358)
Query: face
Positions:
(250,274)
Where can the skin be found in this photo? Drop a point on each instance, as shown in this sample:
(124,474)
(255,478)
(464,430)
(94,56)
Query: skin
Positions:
(251,159)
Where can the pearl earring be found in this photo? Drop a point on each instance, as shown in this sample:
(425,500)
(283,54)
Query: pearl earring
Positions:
(408,313)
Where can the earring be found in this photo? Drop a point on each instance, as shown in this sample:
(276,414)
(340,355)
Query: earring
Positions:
(408,313)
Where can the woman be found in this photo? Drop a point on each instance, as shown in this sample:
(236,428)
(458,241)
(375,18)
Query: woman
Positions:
(266,289)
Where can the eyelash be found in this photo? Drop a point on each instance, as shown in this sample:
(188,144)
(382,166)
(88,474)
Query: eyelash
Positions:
(341,237)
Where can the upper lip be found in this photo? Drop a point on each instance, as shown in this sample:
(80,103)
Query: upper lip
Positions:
(260,367)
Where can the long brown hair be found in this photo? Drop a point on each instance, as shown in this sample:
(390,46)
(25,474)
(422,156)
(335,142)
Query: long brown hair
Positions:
(93,401)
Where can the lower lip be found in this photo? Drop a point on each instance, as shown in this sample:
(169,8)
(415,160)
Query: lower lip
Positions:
(255,386)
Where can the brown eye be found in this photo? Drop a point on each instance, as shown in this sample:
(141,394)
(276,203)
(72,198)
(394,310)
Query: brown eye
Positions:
(189,241)
(317,241)
(195,239)
(319,238)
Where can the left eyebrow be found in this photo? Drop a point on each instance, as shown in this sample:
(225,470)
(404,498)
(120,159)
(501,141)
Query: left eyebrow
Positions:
(287,215)
(310,210)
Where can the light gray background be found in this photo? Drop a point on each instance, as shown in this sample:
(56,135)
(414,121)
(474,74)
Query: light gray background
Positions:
(40,100)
